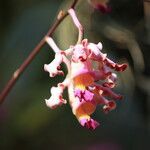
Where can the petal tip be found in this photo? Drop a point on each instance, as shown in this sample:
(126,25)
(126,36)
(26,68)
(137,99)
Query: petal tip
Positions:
(89,123)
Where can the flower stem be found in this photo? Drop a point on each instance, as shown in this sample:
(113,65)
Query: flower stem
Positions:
(77,24)
(9,85)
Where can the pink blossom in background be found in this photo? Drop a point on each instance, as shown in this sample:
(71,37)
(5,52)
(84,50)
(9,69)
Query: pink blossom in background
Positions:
(101,5)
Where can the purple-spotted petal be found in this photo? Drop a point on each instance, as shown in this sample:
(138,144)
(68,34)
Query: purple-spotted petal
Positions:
(78,93)
(89,123)
(83,95)
(88,96)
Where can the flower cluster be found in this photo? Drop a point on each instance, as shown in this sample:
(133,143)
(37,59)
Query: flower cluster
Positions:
(89,80)
(85,92)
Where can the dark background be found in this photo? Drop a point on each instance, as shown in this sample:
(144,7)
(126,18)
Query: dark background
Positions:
(26,122)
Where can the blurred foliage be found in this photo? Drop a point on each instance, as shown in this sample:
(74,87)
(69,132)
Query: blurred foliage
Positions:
(25,121)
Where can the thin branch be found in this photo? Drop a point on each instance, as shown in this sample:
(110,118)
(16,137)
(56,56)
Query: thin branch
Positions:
(32,55)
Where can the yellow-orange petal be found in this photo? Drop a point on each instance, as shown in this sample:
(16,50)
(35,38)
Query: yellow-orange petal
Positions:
(83,80)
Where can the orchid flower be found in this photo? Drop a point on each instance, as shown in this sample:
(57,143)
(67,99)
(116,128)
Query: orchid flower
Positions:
(85,91)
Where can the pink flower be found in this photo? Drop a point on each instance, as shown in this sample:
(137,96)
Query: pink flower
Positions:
(86,65)
(101,5)
(85,93)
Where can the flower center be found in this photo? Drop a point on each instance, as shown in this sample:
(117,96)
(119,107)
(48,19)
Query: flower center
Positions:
(83,80)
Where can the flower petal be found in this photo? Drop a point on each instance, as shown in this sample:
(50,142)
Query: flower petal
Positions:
(109,106)
(54,66)
(84,95)
(56,98)
(89,123)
